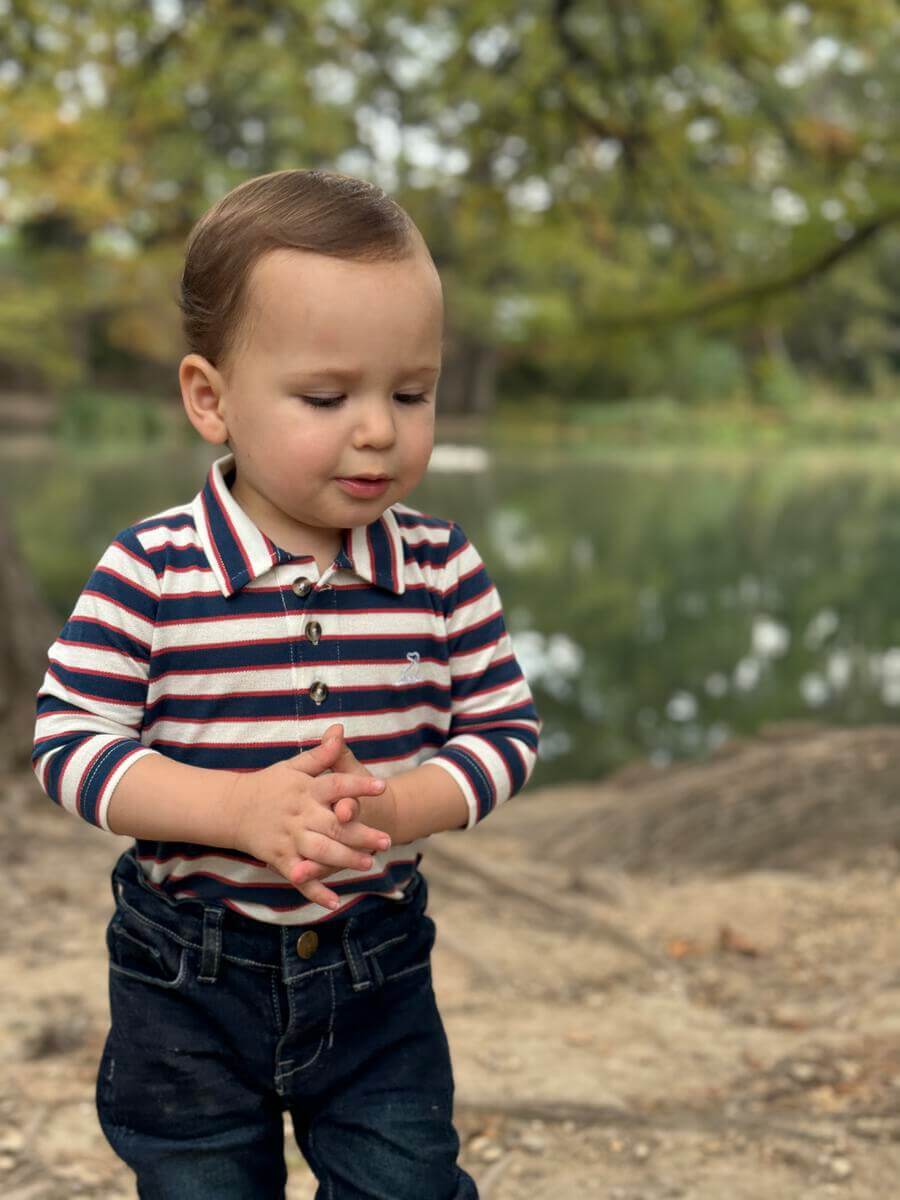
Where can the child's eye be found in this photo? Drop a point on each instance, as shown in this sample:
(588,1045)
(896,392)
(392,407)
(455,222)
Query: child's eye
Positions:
(410,397)
(323,401)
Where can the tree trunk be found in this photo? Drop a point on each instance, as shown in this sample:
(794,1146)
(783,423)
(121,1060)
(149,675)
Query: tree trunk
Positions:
(469,375)
(26,630)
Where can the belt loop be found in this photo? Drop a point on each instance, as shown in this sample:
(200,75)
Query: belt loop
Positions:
(361,972)
(212,944)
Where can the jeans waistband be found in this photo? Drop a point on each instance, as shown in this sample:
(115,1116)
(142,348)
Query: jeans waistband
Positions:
(218,931)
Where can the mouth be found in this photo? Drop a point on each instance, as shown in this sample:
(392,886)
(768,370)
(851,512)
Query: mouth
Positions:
(364,486)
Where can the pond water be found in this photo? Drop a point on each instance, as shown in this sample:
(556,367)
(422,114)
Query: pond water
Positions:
(659,603)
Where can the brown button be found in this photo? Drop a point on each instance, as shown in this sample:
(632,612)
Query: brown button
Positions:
(307,943)
(301,587)
(318,692)
(313,632)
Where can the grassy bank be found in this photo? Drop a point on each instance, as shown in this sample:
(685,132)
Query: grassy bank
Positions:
(825,421)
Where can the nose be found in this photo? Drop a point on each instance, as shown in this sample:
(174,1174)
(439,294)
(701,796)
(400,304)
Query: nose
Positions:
(375,426)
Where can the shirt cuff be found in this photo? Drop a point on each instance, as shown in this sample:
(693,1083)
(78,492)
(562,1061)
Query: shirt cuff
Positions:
(472,779)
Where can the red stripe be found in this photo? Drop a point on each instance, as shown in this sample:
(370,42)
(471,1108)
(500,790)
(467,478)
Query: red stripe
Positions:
(87,671)
(134,557)
(79,790)
(501,756)
(483,670)
(475,570)
(117,604)
(456,553)
(67,758)
(490,778)
(193,543)
(456,633)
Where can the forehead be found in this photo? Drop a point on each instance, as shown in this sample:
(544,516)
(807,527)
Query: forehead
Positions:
(300,301)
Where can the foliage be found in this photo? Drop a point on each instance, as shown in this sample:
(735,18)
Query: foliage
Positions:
(585,173)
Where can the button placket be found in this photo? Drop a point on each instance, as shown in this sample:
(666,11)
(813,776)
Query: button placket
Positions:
(303,587)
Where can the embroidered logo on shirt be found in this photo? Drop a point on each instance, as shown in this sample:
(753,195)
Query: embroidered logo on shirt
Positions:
(410,673)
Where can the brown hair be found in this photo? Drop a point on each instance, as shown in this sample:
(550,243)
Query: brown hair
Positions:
(314,210)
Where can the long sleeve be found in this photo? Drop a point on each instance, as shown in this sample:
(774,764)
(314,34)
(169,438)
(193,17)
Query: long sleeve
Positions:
(494,728)
(90,706)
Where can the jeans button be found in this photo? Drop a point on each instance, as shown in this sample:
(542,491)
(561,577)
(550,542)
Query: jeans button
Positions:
(307,943)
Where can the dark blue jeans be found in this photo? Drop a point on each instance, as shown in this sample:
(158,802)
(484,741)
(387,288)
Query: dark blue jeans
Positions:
(219,1025)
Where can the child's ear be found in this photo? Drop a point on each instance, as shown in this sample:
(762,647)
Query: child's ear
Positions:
(201,393)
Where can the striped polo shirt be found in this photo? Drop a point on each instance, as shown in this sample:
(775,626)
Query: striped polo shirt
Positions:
(198,638)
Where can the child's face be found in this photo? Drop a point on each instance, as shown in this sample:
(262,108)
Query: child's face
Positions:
(357,339)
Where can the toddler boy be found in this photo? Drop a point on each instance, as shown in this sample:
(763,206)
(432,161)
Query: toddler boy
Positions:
(280,690)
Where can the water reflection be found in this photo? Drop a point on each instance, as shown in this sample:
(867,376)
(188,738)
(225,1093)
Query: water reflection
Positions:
(656,610)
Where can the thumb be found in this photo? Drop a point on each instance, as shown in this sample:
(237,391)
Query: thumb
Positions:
(322,757)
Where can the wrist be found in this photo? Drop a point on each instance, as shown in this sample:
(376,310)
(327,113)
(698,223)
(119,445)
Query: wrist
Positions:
(235,810)
(381,812)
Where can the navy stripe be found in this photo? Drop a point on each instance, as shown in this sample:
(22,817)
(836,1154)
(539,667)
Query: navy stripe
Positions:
(268,705)
(475,775)
(225,656)
(286,897)
(94,782)
(249,758)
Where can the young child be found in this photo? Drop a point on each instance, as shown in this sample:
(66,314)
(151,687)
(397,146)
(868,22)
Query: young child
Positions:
(280,689)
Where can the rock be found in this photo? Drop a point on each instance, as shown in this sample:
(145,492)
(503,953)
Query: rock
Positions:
(533,1143)
(841,1168)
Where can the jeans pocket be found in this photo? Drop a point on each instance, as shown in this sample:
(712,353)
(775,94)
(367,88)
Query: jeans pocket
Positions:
(406,951)
(137,951)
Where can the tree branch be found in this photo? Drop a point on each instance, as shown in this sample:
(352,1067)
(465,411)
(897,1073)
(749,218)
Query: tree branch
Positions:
(763,289)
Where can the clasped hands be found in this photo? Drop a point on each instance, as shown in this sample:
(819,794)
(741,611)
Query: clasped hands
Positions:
(301,816)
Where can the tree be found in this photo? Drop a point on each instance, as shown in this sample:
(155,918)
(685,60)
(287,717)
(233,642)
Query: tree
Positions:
(578,168)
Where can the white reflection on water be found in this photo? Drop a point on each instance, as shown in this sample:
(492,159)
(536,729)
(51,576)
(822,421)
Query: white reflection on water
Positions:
(887,668)
(770,639)
(553,744)
(716,685)
(822,626)
(553,660)
(682,707)
(513,540)
(814,689)
(838,669)
(747,674)
(464,460)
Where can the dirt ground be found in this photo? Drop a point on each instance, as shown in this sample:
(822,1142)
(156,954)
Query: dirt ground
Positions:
(663,1034)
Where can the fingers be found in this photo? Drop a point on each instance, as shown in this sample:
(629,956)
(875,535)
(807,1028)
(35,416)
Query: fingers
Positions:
(306,877)
(346,809)
(346,847)
(331,788)
(322,757)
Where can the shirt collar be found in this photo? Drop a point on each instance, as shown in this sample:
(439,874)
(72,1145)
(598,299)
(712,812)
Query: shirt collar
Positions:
(239,552)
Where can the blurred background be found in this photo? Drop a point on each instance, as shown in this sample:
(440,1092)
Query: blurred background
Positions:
(668,233)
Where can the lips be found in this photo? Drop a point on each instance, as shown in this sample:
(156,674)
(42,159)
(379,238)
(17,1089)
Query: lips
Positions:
(365,487)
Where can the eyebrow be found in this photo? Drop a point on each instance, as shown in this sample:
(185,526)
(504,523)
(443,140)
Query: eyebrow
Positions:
(342,373)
